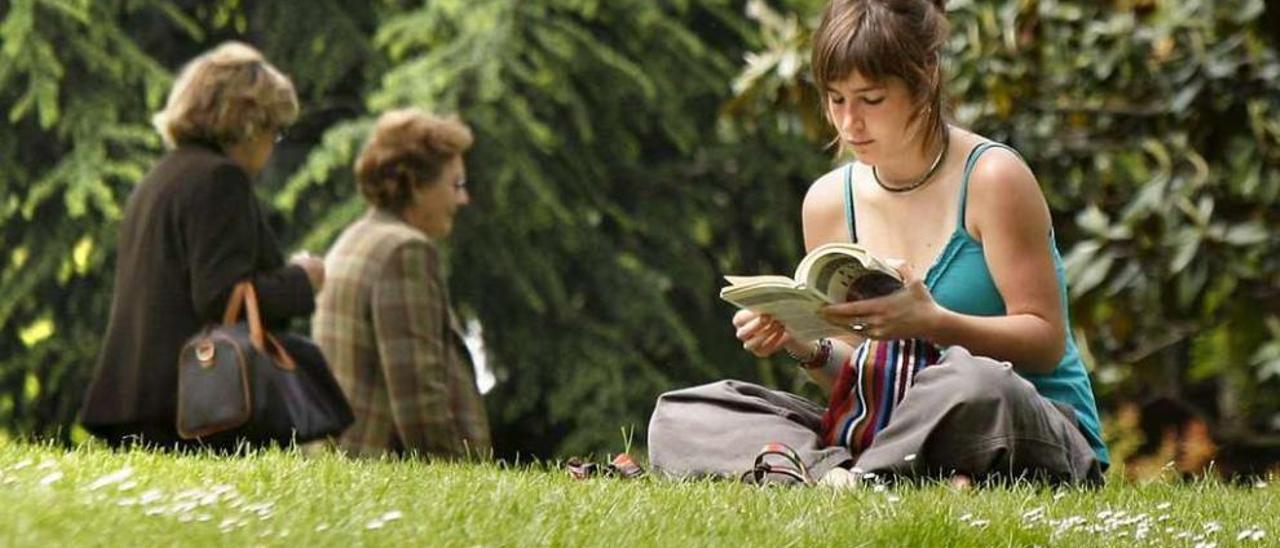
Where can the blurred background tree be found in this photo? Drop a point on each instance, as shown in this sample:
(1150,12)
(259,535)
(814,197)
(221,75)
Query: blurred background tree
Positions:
(607,199)
(628,156)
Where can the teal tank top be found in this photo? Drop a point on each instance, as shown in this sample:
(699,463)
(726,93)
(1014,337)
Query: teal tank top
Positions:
(960,281)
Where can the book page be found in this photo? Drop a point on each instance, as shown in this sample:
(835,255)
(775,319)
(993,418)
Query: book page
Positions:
(845,272)
(774,280)
(796,308)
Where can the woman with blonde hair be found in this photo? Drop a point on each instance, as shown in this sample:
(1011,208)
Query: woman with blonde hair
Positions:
(191,230)
(971,370)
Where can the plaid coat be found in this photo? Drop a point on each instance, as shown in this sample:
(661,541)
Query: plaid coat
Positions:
(384,322)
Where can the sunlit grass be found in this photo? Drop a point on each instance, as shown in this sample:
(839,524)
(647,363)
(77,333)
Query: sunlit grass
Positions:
(90,496)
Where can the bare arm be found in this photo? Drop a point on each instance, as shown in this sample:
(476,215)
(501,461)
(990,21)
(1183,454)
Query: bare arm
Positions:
(823,222)
(1012,221)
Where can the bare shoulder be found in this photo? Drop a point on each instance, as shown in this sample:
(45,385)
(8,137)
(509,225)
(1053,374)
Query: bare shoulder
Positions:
(1003,188)
(1001,174)
(1001,167)
(823,211)
(826,189)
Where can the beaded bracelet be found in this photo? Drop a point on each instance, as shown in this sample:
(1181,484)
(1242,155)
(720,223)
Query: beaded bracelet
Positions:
(818,359)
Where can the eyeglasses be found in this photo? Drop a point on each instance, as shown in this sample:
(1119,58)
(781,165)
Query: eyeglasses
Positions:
(420,176)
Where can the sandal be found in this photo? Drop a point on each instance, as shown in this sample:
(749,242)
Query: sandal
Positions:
(792,468)
(625,467)
(622,467)
(579,469)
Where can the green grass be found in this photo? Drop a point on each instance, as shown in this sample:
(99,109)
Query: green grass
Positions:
(92,497)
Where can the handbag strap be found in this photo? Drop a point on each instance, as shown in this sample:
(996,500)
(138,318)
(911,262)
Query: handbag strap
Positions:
(282,356)
(253,317)
(245,297)
(235,303)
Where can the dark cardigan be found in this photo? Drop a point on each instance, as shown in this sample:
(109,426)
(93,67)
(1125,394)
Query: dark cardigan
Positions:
(192,229)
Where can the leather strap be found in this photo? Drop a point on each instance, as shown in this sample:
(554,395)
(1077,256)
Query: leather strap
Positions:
(283,357)
(234,303)
(245,297)
(254,318)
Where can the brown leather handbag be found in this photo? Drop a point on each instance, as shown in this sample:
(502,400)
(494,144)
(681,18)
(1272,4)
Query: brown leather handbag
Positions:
(238,382)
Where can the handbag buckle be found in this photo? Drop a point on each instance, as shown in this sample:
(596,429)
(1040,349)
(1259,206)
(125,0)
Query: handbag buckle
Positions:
(204,353)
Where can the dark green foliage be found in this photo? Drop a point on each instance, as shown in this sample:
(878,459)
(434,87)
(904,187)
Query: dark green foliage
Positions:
(608,196)
(606,201)
(625,159)
(76,90)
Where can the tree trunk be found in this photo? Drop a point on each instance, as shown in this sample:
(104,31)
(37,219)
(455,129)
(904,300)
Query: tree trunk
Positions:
(1272,21)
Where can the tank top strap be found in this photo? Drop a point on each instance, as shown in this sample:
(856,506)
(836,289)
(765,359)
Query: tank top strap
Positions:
(970,163)
(848,203)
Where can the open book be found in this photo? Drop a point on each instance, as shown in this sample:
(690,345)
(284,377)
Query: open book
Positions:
(831,273)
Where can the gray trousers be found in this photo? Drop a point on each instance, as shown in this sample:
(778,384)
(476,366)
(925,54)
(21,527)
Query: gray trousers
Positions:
(967,414)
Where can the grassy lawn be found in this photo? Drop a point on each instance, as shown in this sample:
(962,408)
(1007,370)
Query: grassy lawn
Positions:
(91,497)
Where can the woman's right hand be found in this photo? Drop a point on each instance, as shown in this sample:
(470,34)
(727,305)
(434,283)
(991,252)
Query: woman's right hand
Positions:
(313,266)
(762,335)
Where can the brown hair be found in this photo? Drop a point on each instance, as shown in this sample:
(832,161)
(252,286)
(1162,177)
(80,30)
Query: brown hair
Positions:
(408,149)
(880,39)
(226,96)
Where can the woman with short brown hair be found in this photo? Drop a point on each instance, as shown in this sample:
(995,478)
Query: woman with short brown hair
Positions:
(407,148)
(384,320)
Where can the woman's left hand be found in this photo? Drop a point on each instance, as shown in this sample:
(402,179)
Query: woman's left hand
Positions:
(908,313)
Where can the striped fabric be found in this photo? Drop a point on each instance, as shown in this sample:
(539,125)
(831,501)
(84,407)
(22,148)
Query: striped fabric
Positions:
(870,385)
